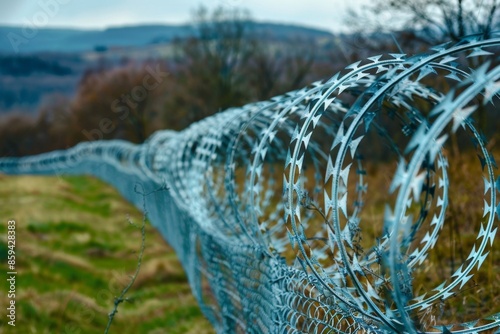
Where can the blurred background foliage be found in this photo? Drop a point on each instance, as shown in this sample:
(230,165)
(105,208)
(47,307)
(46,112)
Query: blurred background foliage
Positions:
(222,58)
(227,60)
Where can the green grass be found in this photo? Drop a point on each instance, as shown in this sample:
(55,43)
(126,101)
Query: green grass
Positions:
(75,251)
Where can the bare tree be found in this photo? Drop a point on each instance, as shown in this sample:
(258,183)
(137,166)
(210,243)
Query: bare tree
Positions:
(209,64)
(432,21)
(285,67)
(228,62)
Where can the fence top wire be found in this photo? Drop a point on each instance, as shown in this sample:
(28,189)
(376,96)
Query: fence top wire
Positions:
(268,205)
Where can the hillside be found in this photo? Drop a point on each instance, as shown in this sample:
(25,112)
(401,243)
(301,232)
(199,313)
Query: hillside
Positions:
(17,40)
(75,251)
(53,61)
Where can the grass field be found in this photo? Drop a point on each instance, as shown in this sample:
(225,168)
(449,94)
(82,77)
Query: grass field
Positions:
(76,250)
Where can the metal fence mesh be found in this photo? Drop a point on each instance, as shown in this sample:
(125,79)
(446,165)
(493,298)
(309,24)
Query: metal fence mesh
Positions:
(267,204)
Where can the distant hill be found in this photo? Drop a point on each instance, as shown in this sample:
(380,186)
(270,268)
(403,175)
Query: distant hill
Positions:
(18,40)
(52,60)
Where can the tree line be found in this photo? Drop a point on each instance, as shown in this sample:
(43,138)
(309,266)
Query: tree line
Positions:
(223,65)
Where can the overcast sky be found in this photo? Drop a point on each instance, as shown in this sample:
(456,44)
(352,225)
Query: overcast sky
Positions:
(104,13)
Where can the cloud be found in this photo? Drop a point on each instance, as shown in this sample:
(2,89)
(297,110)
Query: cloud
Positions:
(12,9)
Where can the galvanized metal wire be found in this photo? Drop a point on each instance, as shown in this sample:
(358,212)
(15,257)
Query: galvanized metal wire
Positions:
(266,203)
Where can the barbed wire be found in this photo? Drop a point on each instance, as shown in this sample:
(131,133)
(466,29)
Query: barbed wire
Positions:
(267,210)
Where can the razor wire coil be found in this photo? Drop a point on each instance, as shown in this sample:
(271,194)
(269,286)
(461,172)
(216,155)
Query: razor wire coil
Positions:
(266,203)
